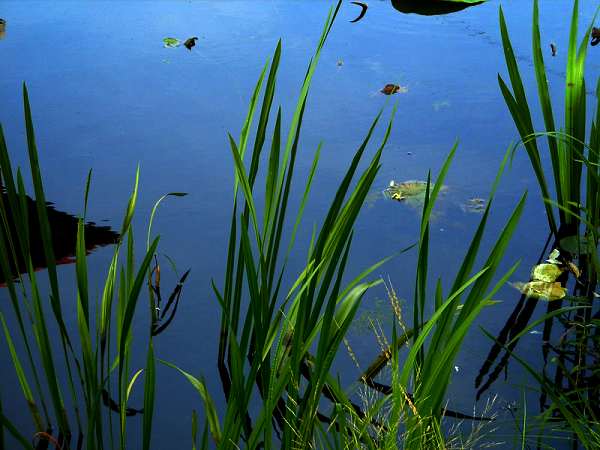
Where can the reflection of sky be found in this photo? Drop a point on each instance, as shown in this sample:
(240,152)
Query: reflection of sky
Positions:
(106,94)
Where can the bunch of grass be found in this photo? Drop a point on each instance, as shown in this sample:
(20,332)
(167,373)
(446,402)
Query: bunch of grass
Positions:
(576,173)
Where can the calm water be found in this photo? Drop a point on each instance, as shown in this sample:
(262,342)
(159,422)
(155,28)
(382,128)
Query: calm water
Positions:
(106,95)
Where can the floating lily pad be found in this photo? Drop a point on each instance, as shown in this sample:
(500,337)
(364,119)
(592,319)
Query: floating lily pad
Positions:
(542,290)
(546,272)
(474,205)
(171,42)
(433,7)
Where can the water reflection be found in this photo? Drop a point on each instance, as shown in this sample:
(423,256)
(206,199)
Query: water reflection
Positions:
(431,7)
(63,228)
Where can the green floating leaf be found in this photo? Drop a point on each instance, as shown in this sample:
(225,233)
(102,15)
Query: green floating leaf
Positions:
(171,42)
(542,290)
(546,272)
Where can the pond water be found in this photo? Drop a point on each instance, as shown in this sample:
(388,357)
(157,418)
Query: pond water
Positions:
(107,95)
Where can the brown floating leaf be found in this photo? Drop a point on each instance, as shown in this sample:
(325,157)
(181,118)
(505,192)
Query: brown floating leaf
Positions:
(573,269)
(390,89)
(189,43)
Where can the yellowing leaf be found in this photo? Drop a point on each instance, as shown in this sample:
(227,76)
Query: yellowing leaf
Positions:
(542,290)
(546,272)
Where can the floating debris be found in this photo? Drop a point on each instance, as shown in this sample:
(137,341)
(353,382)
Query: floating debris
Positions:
(2,28)
(340,62)
(189,43)
(363,11)
(474,205)
(390,89)
(171,42)
(595,36)
(542,290)
(553,48)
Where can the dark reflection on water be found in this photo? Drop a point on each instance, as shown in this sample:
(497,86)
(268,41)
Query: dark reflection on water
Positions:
(430,7)
(63,228)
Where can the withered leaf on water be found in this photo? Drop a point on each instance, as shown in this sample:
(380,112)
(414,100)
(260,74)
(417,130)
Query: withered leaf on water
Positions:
(189,43)
(390,89)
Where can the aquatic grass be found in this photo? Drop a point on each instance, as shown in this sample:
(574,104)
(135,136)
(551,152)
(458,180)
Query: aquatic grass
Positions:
(87,371)
(565,155)
(576,174)
(420,382)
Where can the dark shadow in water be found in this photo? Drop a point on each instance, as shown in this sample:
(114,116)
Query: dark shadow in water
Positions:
(430,7)
(63,228)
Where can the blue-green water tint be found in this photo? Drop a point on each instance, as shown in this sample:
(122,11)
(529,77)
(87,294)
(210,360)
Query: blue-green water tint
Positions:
(106,94)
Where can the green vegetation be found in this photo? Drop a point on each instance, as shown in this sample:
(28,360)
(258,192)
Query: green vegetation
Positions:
(281,331)
(573,204)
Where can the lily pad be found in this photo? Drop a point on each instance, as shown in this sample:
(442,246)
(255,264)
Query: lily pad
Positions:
(171,42)
(542,290)
(433,7)
(546,272)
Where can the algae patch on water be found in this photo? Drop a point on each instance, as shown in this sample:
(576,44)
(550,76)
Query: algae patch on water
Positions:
(412,191)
